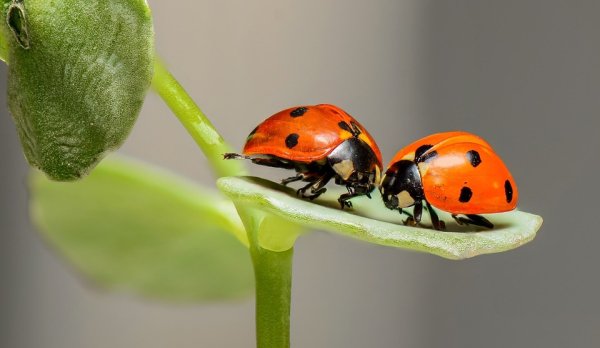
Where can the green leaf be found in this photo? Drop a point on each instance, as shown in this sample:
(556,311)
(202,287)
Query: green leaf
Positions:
(370,221)
(79,71)
(129,227)
(4,30)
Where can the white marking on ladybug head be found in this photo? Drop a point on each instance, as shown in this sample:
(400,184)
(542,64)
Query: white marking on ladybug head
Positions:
(405,200)
(344,169)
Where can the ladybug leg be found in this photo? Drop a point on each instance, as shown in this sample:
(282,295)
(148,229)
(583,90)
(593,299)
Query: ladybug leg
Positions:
(344,199)
(301,192)
(410,220)
(479,220)
(418,211)
(472,219)
(231,155)
(263,160)
(316,187)
(435,220)
(355,189)
(415,219)
(292,179)
(460,219)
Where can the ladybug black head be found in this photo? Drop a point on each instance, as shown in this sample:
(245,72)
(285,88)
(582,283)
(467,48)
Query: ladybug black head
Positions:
(401,186)
(356,165)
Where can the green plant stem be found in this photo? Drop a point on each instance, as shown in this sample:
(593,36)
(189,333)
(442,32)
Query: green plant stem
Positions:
(195,122)
(273,270)
(273,273)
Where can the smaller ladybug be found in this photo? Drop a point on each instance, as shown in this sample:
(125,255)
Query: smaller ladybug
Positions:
(457,172)
(320,142)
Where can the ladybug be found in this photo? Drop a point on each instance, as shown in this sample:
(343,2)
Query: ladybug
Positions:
(320,142)
(457,172)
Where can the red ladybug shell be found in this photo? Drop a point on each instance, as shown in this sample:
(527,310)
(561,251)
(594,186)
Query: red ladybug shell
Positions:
(462,174)
(305,134)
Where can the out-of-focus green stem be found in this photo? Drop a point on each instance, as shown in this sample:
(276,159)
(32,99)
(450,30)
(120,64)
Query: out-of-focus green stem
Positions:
(273,274)
(195,122)
(273,270)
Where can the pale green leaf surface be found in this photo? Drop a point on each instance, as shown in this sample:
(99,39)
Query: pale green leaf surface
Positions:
(78,74)
(131,228)
(370,221)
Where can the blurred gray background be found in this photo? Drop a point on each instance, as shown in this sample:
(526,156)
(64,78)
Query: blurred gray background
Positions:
(523,74)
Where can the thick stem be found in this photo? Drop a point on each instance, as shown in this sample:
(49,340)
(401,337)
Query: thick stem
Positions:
(195,122)
(273,272)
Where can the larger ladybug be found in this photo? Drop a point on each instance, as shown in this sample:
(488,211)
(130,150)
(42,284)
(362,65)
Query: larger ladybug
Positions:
(457,172)
(321,142)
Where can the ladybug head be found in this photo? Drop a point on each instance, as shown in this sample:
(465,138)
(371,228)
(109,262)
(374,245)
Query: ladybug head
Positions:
(401,186)
(355,164)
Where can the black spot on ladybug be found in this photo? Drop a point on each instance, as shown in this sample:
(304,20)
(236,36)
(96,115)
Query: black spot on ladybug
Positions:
(298,111)
(421,154)
(421,150)
(253,131)
(292,140)
(345,126)
(428,156)
(474,158)
(465,195)
(355,129)
(351,128)
(508,190)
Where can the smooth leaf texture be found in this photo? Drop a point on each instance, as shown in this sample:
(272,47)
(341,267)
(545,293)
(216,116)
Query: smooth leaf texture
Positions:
(79,71)
(370,221)
(128,227)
